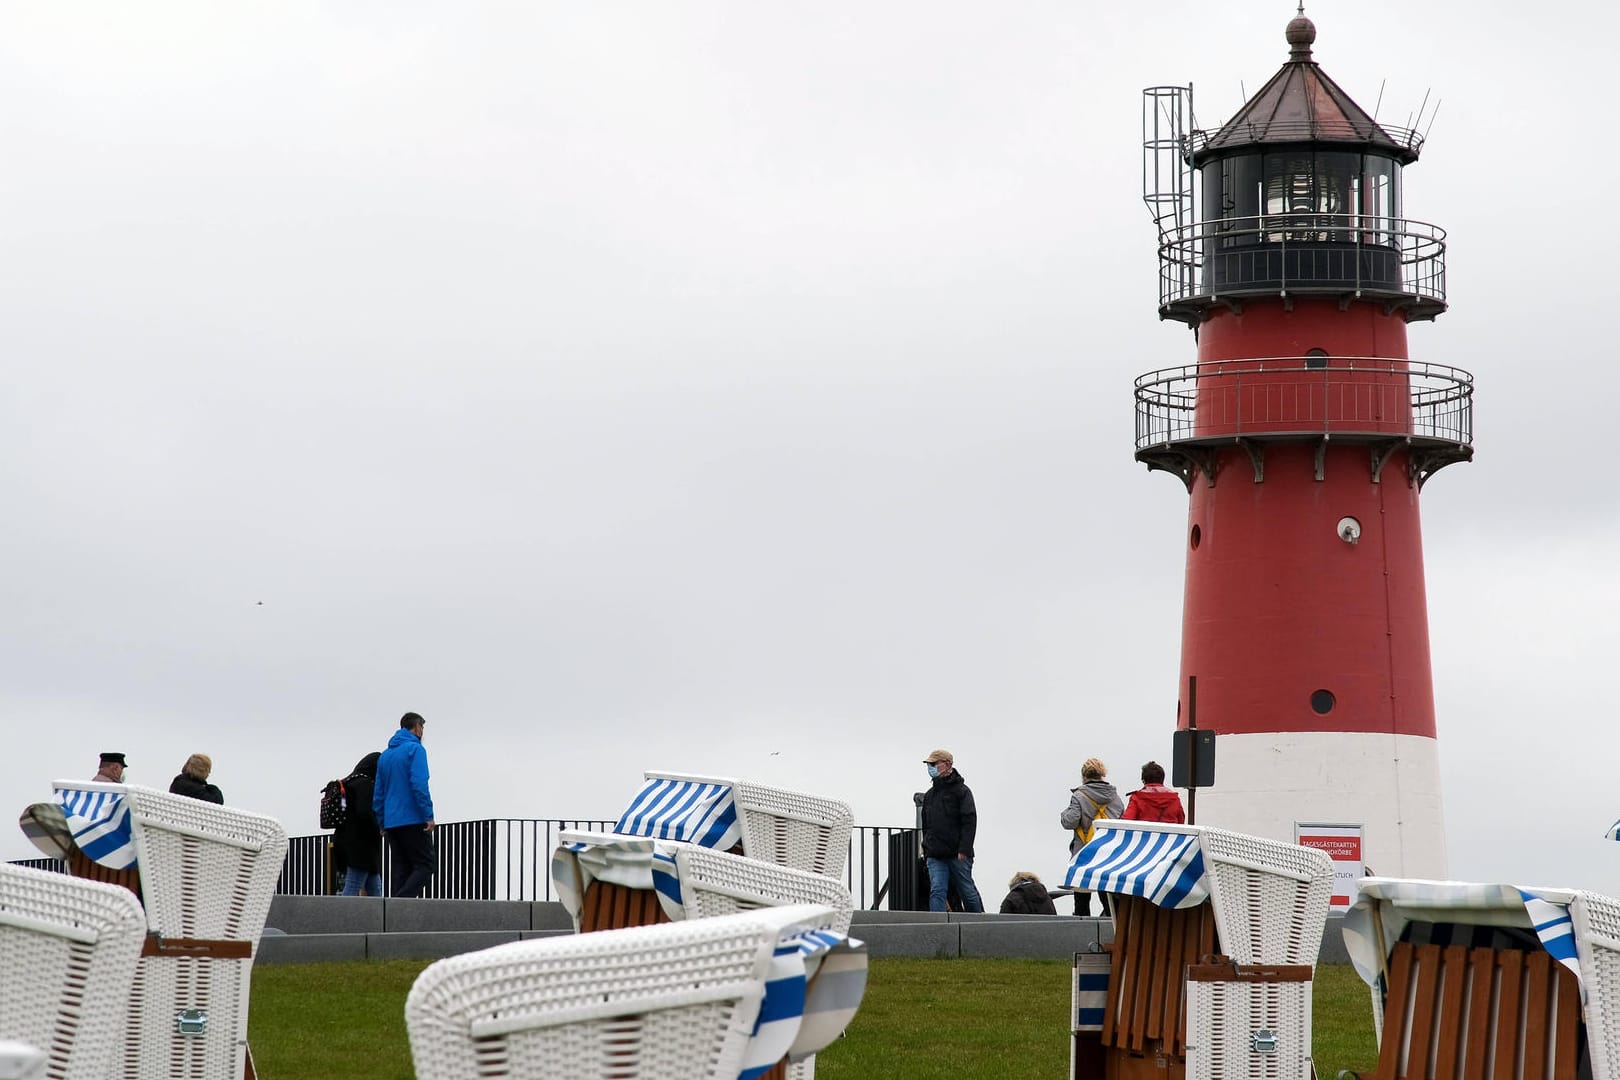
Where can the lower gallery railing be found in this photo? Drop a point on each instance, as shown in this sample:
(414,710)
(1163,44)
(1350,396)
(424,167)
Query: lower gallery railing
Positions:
(510,859)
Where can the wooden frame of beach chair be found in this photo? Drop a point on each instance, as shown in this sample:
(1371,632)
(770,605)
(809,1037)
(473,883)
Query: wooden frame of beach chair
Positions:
(1478,1014)
(674,1000)
(68,950)
(1144,1035)
(207,874)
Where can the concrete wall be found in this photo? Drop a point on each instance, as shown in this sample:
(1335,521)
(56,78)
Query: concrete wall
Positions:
(306,929)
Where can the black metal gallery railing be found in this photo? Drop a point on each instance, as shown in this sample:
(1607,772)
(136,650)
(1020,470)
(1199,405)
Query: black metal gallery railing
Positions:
(510,859)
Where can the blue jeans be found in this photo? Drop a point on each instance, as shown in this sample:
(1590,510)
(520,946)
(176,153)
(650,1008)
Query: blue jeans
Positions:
(944,873)
(355,880)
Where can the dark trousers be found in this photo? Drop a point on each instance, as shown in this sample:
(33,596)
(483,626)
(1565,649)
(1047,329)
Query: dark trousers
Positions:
(1082,903)
(414,860)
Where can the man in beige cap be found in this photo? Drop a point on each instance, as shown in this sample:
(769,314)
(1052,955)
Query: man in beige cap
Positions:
(949,822)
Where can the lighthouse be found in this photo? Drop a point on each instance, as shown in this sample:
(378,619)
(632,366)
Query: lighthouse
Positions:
(1304,434)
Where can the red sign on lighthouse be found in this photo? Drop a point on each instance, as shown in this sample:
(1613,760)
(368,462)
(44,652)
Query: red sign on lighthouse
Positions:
(1304,433)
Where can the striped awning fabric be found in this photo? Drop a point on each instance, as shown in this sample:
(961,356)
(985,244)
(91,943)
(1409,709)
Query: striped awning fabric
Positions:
(691,809)
(94,815)
(816,981)
(1614,832)
(1164,867)
(1453,910)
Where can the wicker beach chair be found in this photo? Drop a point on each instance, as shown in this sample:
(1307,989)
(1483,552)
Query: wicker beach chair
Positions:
(679,999)
(789,828)
(207,874)
(68,950)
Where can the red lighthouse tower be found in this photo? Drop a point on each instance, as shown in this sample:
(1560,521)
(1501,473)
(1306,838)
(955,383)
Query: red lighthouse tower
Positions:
(1303,434)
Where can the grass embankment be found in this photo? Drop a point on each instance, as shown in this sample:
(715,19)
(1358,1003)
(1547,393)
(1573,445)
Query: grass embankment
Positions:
(1007,1019)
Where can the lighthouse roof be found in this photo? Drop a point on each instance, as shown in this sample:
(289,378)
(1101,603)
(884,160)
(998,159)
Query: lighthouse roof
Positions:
(1301,104)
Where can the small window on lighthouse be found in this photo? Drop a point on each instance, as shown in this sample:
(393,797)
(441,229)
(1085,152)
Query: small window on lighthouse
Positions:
(1316,358)
(1322,702)
(1196,538)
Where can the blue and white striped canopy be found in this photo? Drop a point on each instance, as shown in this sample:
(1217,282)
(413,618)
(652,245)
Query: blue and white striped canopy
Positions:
(1164,867)
(815,984)
(98,817)
(689,809)
(1492,908)
(1614,832)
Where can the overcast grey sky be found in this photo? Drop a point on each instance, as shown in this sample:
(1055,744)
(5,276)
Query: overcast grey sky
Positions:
(731,388)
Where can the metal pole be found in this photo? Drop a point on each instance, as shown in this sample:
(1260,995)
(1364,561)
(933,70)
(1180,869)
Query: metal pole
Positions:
(1192,750)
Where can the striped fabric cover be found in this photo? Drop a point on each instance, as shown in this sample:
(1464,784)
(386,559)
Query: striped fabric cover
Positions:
(632,861)
(815,984)
(1166,868)
(1455,912)
(694,810)
(1090,995)
(1614,832)
(99,821)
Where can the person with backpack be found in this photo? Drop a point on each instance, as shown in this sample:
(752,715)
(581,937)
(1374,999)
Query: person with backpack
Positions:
(1095,798)
(1153,801)
(404,808)
(356,840)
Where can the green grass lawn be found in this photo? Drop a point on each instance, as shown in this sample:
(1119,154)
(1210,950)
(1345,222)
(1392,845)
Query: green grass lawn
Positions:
(1007,1019)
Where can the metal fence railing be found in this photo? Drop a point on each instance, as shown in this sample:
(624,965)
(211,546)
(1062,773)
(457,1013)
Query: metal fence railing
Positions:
(510,859)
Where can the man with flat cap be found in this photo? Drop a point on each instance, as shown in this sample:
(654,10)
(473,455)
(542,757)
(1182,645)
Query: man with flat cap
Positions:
(112,769)
(949,822)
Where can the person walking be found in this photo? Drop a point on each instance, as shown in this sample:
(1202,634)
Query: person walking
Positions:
(358,840)
(404,808)
(192,782)
(949,822)
(1094,798)
(1153,801)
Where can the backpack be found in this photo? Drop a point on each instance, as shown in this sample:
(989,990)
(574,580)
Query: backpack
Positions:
(334,804)
(1086,833)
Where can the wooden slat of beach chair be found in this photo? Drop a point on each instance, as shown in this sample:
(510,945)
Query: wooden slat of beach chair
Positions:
(1159,978)
(1123,913)
(1448,1045)
(1538,1002)
(1139,976)
(1179,938)
(1476,1052)
(1511,964)
(1566,1025)
(1424,1005)
(1397,991)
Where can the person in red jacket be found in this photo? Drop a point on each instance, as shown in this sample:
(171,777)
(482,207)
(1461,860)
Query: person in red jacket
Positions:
(1153,801)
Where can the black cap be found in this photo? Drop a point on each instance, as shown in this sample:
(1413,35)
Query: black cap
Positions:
(113,759)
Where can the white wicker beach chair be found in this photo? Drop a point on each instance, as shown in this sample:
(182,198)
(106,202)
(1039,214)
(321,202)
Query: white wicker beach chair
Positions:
(20,1061)
(1597,944)
(714,883)
(790,828)
(207,875)
(677,1000)
(68,950)
(1270,898)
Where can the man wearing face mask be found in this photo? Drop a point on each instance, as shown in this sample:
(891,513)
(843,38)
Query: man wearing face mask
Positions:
(949,821)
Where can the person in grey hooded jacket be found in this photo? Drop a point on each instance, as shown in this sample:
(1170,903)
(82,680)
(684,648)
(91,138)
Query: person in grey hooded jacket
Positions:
(1095,797)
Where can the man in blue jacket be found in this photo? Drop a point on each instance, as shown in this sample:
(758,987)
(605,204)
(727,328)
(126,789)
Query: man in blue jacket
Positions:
(405,809)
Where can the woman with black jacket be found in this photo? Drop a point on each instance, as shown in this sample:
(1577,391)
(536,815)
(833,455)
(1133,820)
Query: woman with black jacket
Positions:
(193,780)
(358,840)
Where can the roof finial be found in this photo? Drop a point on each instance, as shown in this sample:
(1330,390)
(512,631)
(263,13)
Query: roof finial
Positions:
(1301,34)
